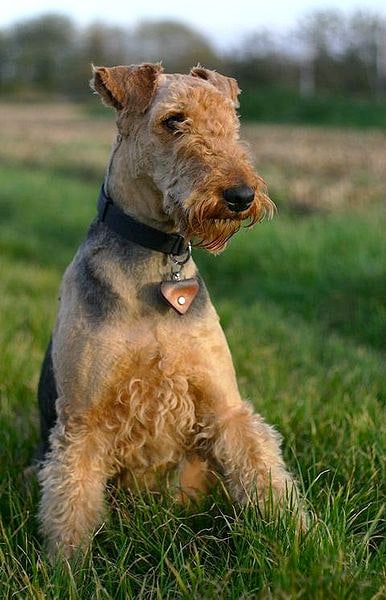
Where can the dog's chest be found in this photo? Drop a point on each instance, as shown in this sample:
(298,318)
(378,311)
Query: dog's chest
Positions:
(150,411)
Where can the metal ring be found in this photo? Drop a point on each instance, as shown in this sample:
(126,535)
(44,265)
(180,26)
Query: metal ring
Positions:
(185,257)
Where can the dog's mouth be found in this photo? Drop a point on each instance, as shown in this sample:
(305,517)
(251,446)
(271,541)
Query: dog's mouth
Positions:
(240,217)
(213,233)
(209,224)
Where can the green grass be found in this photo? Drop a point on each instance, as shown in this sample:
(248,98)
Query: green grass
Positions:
(302,303)
(281,105)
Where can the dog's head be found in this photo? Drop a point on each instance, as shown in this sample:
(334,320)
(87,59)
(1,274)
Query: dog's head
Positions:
(182,131)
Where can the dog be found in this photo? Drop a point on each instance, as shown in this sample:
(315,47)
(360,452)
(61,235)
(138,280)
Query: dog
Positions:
(138,381)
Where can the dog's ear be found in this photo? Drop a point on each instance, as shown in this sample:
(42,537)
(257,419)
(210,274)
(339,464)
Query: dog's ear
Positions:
(227,85)
(131,88)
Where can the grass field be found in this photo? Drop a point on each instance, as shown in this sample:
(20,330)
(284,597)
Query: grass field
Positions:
(302,301)
(281,105)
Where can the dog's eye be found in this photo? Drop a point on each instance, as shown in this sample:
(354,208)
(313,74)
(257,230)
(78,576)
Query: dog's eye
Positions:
(172,122)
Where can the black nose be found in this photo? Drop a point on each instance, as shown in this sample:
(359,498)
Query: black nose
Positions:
(238,198)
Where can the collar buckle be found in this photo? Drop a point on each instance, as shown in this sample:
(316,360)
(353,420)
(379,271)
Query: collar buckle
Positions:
(182,258)
(179,247)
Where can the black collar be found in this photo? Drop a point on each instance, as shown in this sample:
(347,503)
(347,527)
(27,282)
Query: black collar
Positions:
(131,229)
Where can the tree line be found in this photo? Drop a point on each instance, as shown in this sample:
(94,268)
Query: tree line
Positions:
(326,52)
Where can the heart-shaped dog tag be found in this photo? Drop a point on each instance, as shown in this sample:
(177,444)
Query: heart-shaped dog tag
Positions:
(180,294)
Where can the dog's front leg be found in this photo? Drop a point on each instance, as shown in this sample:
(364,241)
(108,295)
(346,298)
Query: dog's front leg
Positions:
(73,479)
(246,452)
(237,442)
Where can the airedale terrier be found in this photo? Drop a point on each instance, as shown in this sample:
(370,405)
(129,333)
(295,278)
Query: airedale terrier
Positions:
(138,381)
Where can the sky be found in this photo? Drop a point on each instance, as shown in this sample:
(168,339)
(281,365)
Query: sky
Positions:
(224,22)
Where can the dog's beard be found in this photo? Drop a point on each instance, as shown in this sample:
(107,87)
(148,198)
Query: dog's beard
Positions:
(210,226)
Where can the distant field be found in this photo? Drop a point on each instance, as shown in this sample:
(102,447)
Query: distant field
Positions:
(302,300)
(287,106)
(306,168)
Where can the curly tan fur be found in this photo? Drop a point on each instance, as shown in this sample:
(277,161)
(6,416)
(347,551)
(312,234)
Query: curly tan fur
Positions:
(140,391)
